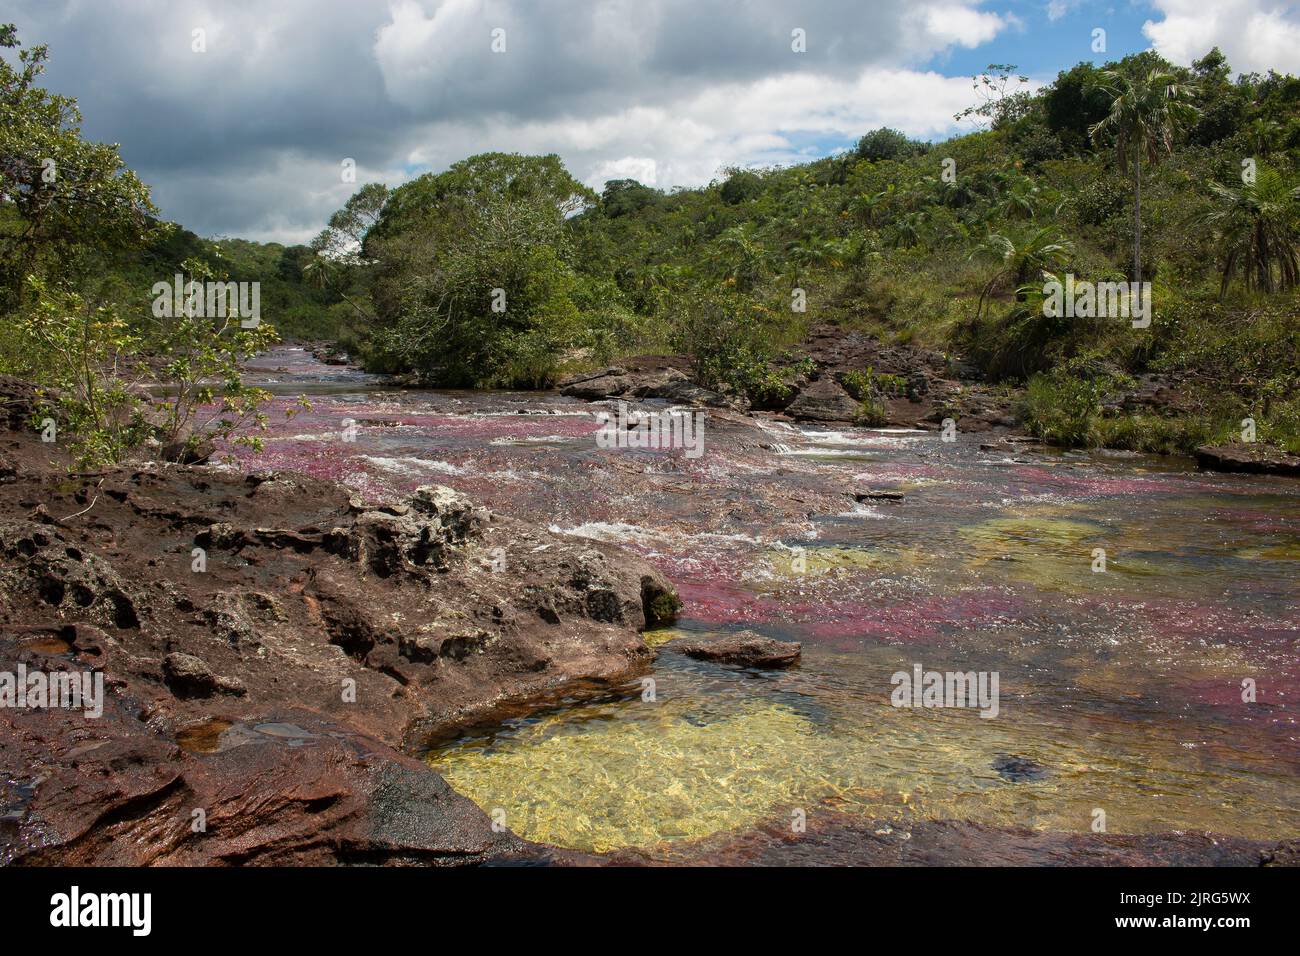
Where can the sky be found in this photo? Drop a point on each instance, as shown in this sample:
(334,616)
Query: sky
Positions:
(251,135)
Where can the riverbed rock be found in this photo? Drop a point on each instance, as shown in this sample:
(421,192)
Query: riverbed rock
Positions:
(189,676)
(1018,769)
(1249,458)
(254,601)
(744,648)
(649,380)
(878,494)
(823,400)
(610,383)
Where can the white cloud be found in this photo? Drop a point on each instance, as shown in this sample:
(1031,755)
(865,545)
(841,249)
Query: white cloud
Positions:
(1255,35)
(246,139)
(685,142)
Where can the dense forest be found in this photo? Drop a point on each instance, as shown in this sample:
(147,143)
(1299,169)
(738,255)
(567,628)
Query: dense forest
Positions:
(505,271)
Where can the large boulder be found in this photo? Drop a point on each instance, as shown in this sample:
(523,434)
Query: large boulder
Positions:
(823,400)
(326,636)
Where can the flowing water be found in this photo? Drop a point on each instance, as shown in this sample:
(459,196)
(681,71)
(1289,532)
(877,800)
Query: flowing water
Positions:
(1125,690)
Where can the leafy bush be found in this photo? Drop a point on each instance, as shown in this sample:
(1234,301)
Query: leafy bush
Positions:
(886,143)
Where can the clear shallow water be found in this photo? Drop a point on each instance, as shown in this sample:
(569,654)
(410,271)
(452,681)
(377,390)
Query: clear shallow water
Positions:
(1123,688)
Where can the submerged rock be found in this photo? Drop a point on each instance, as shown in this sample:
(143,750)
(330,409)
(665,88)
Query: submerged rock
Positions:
(882,494)
(744,648)
(1017,769)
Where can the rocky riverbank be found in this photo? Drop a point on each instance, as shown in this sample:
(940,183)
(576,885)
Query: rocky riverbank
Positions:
(912,387)
(273,648)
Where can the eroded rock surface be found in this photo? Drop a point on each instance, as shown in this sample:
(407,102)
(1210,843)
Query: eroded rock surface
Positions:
(208,599)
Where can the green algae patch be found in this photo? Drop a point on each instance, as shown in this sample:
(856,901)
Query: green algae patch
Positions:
(832,559)
(1288,551)
(1060,554)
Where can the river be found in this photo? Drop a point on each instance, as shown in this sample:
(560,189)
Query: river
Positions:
(1125,691)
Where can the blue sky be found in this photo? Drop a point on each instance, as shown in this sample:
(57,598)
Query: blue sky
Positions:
(1046,46)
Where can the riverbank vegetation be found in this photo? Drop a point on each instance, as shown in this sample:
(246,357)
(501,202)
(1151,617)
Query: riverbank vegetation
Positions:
(1135,171)
(505,271)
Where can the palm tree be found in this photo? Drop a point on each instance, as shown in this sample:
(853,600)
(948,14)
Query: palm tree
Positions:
(325,273)
(906,232)
(1258,227)
(1021,259)
(1020,201)
(741,256)
(1145,114)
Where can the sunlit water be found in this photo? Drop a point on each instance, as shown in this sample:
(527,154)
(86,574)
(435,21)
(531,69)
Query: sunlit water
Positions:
(1121,690)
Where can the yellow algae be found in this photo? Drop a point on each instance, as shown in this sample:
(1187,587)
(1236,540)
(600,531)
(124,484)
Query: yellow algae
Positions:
(638,774)
(831,559)
(662,635)
(612,783)
(1289,551)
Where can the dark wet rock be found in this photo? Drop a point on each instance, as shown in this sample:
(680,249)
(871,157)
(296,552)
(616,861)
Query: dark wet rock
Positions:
(688,393)
(650,379)
(188,452)
(1018,769)
(744,648)
(823,400)
(189,676)
(1286,853)
(1249,458)
(882,494)
(594,388)
(328,353)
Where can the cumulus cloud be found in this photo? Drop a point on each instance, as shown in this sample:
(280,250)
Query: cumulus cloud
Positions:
(247,137)
(1255,35)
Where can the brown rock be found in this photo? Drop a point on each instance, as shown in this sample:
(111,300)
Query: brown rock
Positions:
(1252,458)
(188,676)
(744,648)
(824,400)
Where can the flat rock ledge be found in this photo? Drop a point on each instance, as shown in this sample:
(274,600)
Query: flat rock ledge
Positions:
(744,648)
(1251,459)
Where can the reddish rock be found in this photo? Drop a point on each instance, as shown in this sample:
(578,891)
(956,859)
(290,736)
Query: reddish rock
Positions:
(1252,459)
(259,604)
(744,648)
(823,400)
